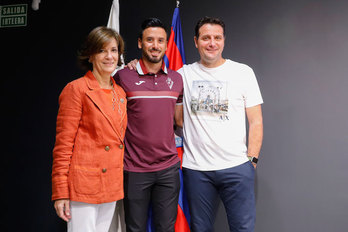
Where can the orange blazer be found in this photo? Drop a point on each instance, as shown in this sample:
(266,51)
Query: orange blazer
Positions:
(89,148)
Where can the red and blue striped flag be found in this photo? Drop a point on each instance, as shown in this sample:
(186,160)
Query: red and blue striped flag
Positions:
(175,54)
(175,59)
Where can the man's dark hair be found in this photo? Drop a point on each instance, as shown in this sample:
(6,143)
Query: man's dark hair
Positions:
(208,20)
(151,22)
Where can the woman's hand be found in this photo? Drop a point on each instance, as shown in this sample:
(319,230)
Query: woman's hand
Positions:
(62,207)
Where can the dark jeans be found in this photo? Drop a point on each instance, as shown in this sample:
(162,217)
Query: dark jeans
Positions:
(234,185)
(161,189)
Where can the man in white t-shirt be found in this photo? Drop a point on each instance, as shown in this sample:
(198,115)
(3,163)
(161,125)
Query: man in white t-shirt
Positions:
(218,95)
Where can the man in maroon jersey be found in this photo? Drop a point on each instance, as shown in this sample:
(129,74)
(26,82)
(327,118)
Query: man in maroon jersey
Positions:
(151,163)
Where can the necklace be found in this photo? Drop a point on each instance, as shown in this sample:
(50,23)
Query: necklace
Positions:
(115,98)
(118,100)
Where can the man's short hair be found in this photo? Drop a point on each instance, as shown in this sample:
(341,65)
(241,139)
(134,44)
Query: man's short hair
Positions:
(208,20)
(151,22)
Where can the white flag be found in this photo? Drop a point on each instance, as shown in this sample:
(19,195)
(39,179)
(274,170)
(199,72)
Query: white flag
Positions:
(114,23)
(118,220)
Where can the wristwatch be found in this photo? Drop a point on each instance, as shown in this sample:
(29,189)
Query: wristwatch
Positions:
(253,159)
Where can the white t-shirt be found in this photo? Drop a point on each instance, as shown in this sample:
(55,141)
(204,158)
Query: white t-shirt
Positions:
(214,114)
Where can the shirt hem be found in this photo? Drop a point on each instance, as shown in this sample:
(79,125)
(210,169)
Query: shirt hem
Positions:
(162,167)
(200,168)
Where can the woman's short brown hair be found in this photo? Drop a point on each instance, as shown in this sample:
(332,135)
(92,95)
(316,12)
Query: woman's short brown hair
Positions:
(95,41)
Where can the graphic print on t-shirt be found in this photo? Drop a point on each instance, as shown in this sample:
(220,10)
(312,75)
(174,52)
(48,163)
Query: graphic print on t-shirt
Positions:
(209,100)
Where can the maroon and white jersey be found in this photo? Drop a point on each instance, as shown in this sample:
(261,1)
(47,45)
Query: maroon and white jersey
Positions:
(149,140)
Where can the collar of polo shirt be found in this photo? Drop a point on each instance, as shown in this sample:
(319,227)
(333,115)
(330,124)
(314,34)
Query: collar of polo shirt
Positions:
(141,69)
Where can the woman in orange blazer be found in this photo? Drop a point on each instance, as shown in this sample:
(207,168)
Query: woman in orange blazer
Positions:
(87,172)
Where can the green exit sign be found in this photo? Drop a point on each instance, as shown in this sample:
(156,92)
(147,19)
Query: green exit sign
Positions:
(13,15)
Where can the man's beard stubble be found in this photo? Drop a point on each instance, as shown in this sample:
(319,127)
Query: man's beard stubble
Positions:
(151,59)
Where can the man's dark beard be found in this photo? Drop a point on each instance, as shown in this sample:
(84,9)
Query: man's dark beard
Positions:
(152,60)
